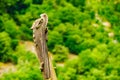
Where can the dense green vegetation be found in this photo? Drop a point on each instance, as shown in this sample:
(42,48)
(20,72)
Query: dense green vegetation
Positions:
(90,29)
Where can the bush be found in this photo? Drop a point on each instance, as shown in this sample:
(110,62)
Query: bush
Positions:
(25,71)
(27,67)
(14,43)
(5,41)
(60,53)
(6,53)
(54,38)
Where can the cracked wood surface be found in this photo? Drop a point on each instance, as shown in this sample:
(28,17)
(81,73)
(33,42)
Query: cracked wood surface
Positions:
(39,28)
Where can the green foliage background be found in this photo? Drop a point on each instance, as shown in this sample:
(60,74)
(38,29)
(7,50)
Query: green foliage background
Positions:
(90,29)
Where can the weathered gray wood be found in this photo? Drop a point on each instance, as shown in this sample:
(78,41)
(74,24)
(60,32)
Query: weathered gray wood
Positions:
(39,28)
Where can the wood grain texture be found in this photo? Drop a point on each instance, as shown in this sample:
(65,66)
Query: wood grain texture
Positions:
(39,28)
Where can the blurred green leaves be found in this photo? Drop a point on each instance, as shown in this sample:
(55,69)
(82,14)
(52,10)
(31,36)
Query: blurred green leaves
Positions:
(75,26)
(60,53)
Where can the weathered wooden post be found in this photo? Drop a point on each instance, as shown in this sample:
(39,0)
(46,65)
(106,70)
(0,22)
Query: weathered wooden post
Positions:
(40,31)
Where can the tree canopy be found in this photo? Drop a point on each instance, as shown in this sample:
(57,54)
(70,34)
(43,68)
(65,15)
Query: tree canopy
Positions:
(90,29)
